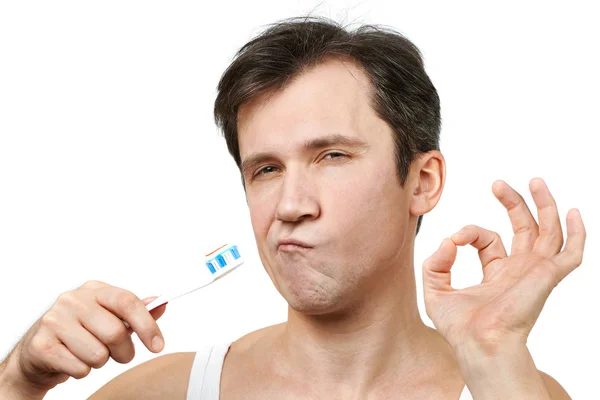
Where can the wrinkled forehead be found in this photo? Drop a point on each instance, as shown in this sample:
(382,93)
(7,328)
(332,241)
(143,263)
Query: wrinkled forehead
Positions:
(331,98)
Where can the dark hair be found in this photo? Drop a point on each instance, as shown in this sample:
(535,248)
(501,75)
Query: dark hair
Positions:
(402,93)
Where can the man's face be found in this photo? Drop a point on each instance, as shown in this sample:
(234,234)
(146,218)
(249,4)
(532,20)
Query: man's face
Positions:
(319,167)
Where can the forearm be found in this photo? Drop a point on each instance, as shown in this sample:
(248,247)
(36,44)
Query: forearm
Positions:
(508,373)
(13,388)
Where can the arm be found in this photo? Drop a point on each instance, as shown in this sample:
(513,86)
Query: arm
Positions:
(164,377)
(14,386)
(509,374)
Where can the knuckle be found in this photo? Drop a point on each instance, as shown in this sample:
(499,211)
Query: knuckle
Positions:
(554,235)
(495,237)
(527,228)
(116,335)
(99,357)
(41,345)
(570,259)
(81,371)
(127,302)
(67,299)
(72,301)
(50,320)
(468,228)
(126,358)
(92,284)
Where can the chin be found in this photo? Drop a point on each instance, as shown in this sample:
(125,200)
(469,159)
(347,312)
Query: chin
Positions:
(310,287)
(309,308)
(314,300)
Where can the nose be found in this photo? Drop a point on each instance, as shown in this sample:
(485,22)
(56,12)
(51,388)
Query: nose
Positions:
(298,198)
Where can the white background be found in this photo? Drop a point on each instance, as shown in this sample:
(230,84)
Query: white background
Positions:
(111,167)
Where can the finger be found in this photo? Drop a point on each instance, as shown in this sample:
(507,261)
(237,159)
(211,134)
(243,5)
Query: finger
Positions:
(488,243)
(129,307)
(550,239)
(81,343)
(155,312)
(109,329)
(158,311)
(66,362)
(436,269)
(572,255)
(57,357)
(523,224)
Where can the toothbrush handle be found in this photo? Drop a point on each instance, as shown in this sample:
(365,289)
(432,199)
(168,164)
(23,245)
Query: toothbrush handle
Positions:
(167,297)
(159,301)
(173,294)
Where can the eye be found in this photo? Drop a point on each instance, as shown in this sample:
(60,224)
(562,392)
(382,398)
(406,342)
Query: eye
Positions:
(265,170)
(335,154)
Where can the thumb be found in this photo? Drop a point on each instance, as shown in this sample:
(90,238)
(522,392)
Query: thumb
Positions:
(436,269)
(156,313)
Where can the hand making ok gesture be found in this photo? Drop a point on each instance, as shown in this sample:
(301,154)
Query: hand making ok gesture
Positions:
(506,304)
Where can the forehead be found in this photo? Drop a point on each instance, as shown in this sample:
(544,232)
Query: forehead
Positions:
(331,98)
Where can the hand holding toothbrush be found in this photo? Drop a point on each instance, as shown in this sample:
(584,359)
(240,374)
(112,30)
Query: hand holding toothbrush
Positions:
(81,331)
(87,326)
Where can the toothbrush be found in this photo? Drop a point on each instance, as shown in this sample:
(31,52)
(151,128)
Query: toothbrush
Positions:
(219,262)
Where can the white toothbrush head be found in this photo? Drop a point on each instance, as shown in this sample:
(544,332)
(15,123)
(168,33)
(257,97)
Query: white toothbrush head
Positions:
(223,260)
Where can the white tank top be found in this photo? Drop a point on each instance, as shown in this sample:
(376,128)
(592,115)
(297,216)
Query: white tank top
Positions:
(205,376)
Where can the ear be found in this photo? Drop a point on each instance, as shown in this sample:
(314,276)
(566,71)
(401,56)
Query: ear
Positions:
(428,175)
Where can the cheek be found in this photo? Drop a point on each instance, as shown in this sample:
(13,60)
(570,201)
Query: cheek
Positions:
(257,217)
(261,211)
(358,196)
(367,209)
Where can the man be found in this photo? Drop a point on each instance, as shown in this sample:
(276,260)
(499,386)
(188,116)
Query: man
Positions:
(336,135)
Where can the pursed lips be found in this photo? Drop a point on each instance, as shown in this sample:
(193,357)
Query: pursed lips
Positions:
(288,245)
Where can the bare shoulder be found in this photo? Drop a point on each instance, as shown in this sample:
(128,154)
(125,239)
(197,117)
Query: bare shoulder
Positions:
(247,368)
(168,376)
(252,339)
(557,392)
(164,377)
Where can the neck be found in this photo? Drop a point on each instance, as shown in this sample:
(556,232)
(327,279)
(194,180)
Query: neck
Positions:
(361,348)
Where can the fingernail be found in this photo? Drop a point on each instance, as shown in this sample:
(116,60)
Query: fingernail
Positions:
(158,343)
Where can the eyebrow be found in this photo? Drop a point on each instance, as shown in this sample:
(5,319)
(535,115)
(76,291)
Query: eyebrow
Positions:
(334,139)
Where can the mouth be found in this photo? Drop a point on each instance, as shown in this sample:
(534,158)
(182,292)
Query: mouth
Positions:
(291,245)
